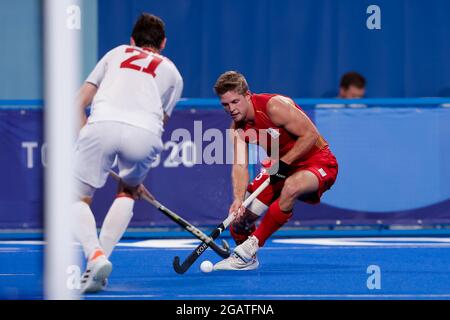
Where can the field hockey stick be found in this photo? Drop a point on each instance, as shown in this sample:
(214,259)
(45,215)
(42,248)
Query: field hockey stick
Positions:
(224,251)
(187,263)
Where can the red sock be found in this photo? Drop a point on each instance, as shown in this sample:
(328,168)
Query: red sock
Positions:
(272,221)
(240,236)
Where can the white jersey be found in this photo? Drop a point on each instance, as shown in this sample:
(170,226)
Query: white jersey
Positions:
(135,86)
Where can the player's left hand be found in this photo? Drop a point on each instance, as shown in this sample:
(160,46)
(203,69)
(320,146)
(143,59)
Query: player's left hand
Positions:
(278,170)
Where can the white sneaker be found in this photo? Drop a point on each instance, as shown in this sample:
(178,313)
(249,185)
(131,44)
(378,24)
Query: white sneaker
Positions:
(247,250)
(95,278)
(243,258)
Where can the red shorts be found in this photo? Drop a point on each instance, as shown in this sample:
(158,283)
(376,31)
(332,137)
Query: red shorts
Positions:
(322,164)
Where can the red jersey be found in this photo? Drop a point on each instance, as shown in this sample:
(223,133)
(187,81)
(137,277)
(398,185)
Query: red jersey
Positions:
(264,132)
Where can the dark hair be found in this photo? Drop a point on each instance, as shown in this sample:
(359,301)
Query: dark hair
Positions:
(148,31)
(352,79)
(231,81)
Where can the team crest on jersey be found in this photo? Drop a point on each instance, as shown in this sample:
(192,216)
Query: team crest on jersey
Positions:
(274,133)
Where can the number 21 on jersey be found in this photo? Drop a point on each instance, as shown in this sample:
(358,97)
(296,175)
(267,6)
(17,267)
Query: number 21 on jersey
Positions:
(129,63)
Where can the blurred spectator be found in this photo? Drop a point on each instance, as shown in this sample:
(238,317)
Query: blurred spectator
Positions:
(353,85)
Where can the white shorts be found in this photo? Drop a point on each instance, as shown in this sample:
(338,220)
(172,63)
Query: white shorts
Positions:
(99,144)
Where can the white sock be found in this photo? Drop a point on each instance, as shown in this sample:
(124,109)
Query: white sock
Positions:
(115,224)
(85,227)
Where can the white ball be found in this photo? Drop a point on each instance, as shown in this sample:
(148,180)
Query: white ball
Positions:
(206,266)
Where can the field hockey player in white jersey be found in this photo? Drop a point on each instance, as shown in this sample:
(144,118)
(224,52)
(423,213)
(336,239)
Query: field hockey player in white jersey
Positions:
(132,92)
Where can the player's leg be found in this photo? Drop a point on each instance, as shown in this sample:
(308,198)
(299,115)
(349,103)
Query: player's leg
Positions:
(85,227)
(241,228)
(301,184)
(98,267)
(136,154)
(308,184)
(244,257)
(118,217)
(93,157)
(244,226)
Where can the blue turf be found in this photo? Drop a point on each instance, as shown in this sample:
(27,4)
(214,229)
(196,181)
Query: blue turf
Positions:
(287,271)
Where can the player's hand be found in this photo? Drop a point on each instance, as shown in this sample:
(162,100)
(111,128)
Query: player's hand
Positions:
(236,208)
(278,170)
(142,191)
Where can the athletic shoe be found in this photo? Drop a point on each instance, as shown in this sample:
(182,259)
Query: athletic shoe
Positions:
(97,272)
(243,257)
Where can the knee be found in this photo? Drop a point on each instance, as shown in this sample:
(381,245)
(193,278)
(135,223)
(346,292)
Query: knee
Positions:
(127,191)
(291,189)
(84,192)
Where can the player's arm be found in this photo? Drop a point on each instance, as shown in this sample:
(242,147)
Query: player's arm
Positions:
(84,99)
(239,171)
(172,95)
(89,88)
(283,113)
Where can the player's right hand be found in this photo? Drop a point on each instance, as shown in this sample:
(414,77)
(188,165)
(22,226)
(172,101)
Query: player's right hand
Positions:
(236,208)
(142,191)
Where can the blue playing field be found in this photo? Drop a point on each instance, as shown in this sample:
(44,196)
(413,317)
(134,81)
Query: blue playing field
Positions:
(405,268)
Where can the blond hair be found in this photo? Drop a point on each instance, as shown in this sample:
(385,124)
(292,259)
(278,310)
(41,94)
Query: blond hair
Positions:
(231,81)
